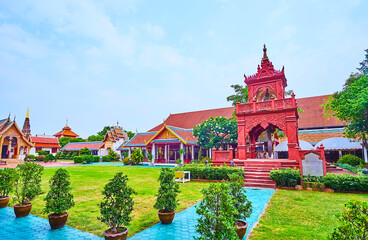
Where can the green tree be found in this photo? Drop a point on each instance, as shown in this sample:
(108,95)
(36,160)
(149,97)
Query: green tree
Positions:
(104,130)
(353,222)
(95,138)
(351,105)
(113,155)
(84,151)
(167,193)
(216,213)
(59,198)
(241,202)
(241,94)
(130,134)
(216,131)
(117,203)
(364,65)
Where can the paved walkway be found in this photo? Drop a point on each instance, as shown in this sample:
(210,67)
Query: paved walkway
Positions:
(184,223)
(48,164)
(33,227)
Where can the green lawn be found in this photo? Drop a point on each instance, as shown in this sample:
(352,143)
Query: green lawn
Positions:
(301,215)
(88,182)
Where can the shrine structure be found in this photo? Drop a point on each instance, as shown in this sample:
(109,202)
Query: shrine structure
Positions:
(267,110)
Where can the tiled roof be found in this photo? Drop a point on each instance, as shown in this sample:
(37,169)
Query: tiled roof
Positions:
(189,120)
(183,123)
(45,142)
(66,132)
(312,117)
(76,146)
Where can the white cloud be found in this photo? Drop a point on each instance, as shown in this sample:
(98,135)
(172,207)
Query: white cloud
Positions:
(155,31)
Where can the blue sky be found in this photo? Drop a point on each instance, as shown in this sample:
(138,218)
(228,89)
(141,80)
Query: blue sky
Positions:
(136,61)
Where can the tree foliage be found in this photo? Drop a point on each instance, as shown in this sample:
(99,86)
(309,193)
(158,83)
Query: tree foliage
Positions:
(84,151)
(216,131)
(95,138)
(364,65)
(216,213)
(241,202)
(117,203)
(167,193)
(353,222)
(59,198)
(7,178)
(241,94)
(27,182)
(351,105)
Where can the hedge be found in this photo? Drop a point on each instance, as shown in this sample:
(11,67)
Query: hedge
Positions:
(286,177)
(106,159)
(86,159)
(346,182)
(351,160)
(209,172)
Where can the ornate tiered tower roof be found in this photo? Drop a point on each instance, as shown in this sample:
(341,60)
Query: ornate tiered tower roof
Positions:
(27,126)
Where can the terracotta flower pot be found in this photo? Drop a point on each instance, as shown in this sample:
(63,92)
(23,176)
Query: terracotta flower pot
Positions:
(166,217)
(4,201)
(58,220)
(121,235)
(22,210)
(241,228)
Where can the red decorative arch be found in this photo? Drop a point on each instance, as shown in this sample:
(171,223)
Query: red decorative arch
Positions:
(277,113)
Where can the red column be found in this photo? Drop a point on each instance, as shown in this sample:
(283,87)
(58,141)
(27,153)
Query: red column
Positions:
(242,141)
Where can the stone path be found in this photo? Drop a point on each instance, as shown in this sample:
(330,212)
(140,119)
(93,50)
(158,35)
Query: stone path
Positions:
(33,227)
(184,223)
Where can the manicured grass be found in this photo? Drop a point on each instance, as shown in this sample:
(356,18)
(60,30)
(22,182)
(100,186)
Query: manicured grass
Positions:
(88,182)
(301,215)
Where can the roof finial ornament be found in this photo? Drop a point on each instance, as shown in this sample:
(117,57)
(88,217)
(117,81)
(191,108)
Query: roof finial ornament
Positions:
(14,119)
(265,57)
(117,123)
(9,117)
(27,113)
(66,121)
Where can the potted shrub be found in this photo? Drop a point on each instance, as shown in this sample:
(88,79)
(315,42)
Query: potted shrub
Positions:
(59,199)
(216,213)
(27,187)
(116,207)
(166,202)
(7,178)
(241,203)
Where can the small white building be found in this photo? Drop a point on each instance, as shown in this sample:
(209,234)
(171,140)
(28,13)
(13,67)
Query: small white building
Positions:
(50,144)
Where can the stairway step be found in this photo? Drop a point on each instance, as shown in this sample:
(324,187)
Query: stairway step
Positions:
(261,185)
(253,180)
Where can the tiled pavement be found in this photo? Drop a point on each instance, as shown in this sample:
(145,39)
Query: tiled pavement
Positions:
(33,228)
(183,226)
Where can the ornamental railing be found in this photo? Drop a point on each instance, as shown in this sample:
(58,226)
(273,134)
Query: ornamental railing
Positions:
(273,104)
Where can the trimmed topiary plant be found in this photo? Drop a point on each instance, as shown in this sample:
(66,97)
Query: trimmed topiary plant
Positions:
(241,203)
(27,187)
(59,199)
(216,213)
(286,177)
(7,178)
(116,207)
(166,201)
(136,156)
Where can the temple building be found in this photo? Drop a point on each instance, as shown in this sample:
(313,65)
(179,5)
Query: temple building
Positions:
(27,126)
(50,144)
(112,140)
(66,132)
(14,144)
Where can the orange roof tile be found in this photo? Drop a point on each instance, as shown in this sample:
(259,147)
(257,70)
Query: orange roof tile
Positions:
(45,142)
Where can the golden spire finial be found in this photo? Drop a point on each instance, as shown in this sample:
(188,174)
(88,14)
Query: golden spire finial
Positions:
(265,57)
(27,113)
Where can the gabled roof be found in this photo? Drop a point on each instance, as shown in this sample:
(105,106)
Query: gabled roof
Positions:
(76,146)
(312,117)
(188,120)
(6,124)
(67,131)
(115,134)
(139,140)
(45,142)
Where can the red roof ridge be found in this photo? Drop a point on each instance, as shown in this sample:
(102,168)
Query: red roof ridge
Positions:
(206,110)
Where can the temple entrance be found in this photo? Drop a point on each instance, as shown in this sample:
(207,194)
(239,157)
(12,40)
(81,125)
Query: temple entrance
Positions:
(267,110)
(5,153)
(264,140)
